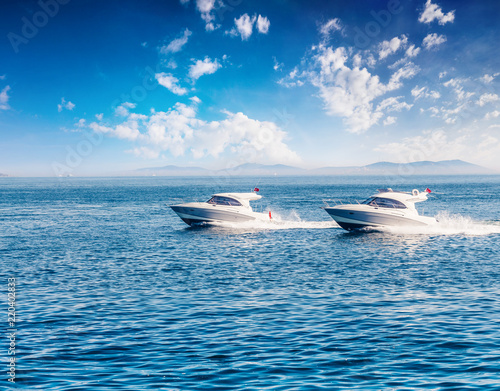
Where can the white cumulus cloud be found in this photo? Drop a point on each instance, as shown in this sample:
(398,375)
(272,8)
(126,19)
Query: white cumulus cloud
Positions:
(241,135)
(493,114)
(350,92)
(433,12)
(487,79)
(206,8)
(179,132)
(389,121)
(487,98)
(263,24)
(195,100)
(170,82)
(388,47)
(203,67)
(123,109)
(244,26)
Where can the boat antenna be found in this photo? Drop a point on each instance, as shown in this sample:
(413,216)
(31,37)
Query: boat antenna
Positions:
(256,188)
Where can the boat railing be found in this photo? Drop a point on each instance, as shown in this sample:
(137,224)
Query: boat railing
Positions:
(175,201)
(336,202)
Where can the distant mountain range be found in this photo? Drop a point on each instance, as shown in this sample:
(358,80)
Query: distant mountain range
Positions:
(3,174)
(173,171)
(444,167)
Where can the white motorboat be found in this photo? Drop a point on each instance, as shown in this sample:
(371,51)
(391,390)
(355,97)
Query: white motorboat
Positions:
(222,207)
(386,208)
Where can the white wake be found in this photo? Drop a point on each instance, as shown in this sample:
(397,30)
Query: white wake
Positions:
(449,225)
(290,221)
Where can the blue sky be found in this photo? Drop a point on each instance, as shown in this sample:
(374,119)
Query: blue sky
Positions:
(92,88)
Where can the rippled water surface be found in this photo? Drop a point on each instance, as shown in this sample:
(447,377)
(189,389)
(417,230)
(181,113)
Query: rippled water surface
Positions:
(114,291)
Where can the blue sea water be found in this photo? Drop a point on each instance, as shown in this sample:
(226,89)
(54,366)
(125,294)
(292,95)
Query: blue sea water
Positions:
(114,291)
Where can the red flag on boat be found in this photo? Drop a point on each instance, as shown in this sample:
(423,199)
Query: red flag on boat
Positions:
(256,189)
(428,190)
(270,217)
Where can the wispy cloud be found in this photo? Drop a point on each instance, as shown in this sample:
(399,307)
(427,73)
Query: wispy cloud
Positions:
(329,27)
(412,51)
(393,104)
(433,40)
(65,105)
(4,98)
(278,66)
(445,144)
(434,143)
(457,85)
(177,44)
(424,92)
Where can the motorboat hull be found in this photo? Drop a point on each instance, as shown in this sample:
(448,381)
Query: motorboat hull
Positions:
(352,219)
(192,214)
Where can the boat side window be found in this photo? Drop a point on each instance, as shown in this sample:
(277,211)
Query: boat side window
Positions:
(387,203)
(368,201)
(217,200)
(233,202)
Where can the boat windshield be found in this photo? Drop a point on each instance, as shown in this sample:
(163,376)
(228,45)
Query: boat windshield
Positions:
(380,202)
(218,200)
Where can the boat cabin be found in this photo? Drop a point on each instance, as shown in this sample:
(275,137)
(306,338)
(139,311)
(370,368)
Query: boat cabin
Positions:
(381,202)
(227,201)
(234,199)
